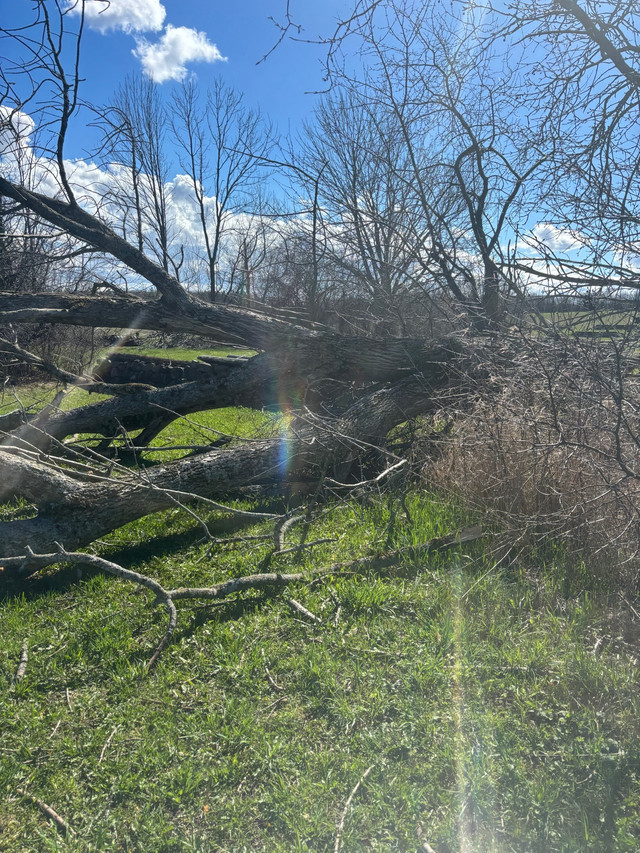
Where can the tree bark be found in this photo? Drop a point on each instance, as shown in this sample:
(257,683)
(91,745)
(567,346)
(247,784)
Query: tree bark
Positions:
(75,509)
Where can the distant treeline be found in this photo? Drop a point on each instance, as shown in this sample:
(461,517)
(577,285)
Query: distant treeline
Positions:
(551,303)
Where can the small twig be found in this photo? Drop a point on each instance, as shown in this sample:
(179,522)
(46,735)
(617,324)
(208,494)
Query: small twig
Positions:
(231,540)
(280,530)
(303,610)
(338,610)
(295,549)
(370,482)
(343,816)
(106,745)
(68,698)
(391,558)
(50,813)
(630,606)
(22,665)
(231,510)
(272,707)
(270,678)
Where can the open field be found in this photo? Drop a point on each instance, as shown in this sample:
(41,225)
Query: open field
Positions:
(607,323)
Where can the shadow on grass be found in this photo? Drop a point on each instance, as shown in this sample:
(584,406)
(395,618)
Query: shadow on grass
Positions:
(61,577)
(228,610)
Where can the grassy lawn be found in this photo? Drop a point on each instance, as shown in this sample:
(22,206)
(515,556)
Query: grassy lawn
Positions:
(495,714)
(482,707)
(603,323)
(188,353)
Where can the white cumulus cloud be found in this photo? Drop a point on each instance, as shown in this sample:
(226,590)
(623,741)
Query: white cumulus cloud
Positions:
(167,58)
(130,16)
(16,128)
(546,235)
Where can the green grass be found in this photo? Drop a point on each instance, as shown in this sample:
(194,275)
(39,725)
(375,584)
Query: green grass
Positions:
(497,708)
(489,722)
(188,353)
(603,323)
(37,394)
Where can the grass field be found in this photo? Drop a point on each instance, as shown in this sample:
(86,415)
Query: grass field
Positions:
(482,707)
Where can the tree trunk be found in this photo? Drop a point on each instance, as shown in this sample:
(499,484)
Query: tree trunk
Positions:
(74,509)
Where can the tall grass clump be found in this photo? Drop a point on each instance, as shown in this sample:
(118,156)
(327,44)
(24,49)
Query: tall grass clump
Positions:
(551,451)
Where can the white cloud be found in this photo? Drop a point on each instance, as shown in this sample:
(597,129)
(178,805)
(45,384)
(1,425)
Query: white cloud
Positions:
(548,236)
(16,128)
(166,59)
(130,16)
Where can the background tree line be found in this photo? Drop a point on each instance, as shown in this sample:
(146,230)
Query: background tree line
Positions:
(475,156)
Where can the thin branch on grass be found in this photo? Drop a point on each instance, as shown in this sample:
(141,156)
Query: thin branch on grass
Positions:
(295,605)
(281,529)
(338,610)
(232,540)
(372,481)
(391,558)
(39,561)
(106,745)
(270,678)
(343,816)
(22,665)
(34,562)
(295,549)
(63,826)
(231,510)
(225,588)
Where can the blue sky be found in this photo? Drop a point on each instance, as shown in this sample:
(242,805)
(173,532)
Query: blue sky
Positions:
(172,40)
(178,38)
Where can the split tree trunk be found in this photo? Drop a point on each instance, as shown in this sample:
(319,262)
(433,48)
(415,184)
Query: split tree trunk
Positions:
(75,509)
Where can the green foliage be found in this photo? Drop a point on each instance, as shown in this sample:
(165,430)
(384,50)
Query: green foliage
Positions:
(497,715)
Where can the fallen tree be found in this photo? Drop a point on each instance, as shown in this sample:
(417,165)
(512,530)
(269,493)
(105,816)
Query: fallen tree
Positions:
(76,505)
(343,392)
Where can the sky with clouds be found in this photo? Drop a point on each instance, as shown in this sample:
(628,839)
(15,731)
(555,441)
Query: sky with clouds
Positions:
(171,40)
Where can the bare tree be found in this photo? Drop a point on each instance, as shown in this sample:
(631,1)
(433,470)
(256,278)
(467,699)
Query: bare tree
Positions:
(223,147)
(364,199)
(136,137)
(584,109)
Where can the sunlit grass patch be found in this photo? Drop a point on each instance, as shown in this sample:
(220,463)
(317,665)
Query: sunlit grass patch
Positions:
(489,721)
(191,354)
